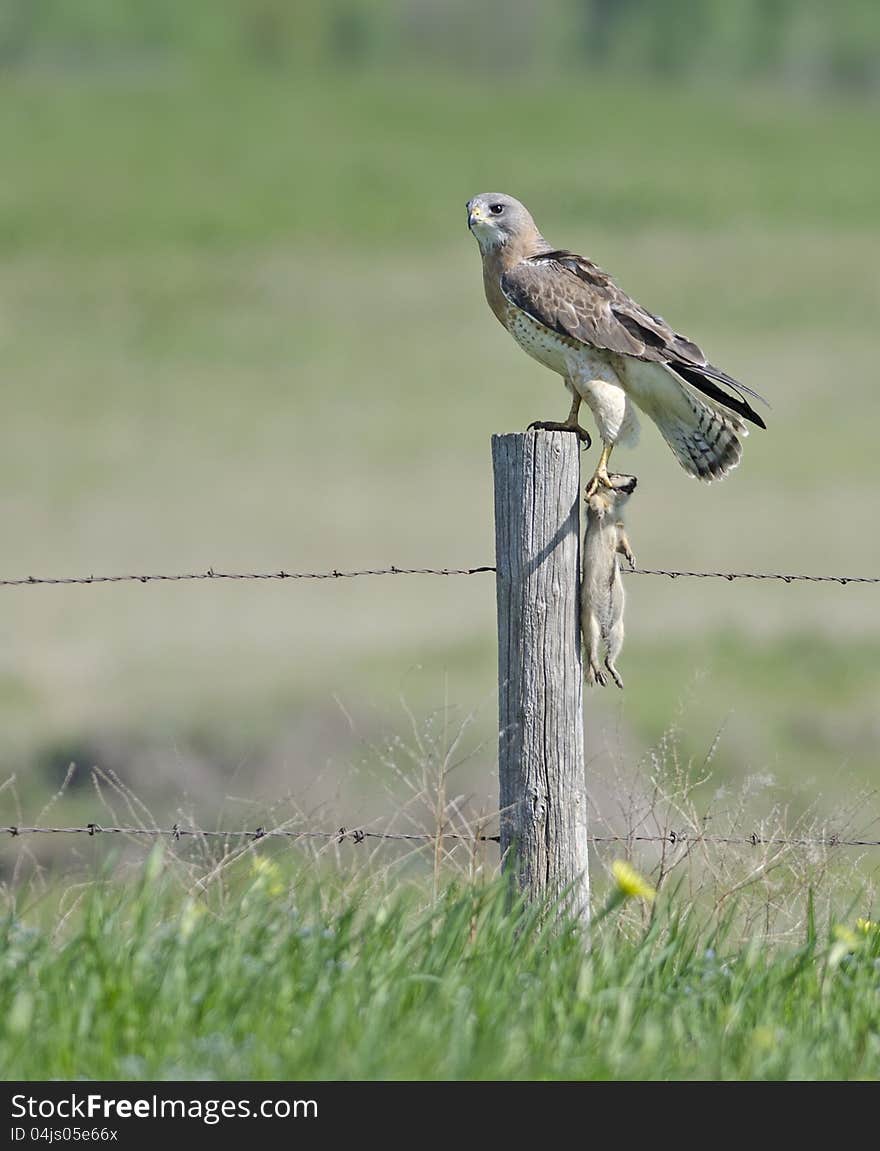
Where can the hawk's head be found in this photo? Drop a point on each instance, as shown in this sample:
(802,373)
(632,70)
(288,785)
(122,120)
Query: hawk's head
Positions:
(496,219)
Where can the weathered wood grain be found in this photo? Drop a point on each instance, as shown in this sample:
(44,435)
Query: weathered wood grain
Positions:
(540,670)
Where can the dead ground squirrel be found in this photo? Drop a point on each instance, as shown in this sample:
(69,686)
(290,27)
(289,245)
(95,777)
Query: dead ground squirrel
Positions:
(602,594)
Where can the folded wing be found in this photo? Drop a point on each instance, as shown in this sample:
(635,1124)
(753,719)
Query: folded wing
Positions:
(573,296)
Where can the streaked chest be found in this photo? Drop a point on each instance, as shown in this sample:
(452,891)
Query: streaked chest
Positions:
(541,343)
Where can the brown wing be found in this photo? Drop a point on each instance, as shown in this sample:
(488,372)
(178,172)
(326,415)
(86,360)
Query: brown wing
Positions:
(574,297)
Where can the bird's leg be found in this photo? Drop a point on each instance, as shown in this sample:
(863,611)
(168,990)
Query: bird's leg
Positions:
(570,424)
(600,476)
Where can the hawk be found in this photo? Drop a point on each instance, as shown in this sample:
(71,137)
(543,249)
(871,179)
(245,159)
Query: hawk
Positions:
(569,315)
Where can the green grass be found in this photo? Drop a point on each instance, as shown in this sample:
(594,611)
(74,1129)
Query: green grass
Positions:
(789,706)
(200,160)
(281,979)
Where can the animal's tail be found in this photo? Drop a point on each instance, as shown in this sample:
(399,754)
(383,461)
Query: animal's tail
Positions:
(705,440)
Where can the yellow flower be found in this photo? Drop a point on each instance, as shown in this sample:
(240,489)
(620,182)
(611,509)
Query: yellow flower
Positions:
(846,942)
(867,926)
(845,935)
(630,884)
(267,876)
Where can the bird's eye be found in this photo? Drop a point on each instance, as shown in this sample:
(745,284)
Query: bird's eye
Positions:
(496,209)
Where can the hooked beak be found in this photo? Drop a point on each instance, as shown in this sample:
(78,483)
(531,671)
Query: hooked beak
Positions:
(475,215)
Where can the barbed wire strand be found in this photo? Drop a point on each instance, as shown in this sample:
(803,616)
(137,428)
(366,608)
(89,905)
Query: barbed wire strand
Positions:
(359,834)
(282,574)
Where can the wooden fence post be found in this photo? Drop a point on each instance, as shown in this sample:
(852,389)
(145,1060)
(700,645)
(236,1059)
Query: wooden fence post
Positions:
(540,670)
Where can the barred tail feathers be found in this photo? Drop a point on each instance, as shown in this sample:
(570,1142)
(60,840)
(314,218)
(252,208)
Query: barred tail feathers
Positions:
(708,444)
(704,437)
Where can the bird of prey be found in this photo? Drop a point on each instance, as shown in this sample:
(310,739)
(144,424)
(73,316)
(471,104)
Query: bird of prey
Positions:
(570,316)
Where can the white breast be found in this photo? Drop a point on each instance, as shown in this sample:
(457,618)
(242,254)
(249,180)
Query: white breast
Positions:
(586,370)
(542,344)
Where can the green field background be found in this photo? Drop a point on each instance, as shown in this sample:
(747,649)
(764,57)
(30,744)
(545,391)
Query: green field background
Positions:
(242,326)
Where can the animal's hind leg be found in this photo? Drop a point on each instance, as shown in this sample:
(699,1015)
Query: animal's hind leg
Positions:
(592,639)
(615,646)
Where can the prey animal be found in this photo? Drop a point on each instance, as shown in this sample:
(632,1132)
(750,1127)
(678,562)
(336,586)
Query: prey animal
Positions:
(568,314)
(602,595)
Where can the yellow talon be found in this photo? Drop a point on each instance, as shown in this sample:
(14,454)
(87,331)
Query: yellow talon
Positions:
(600,476)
